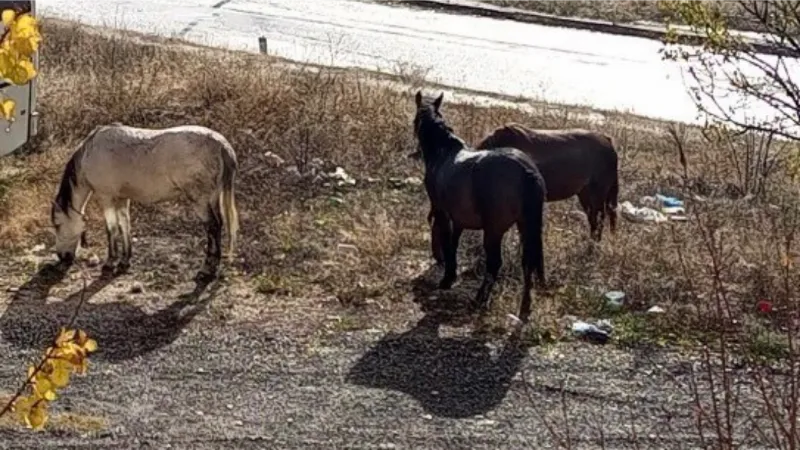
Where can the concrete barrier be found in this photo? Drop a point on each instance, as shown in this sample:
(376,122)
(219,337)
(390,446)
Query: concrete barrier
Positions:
(601,26)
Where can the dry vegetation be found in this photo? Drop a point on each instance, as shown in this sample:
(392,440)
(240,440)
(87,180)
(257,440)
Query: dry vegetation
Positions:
(303,240)
(293,230)
(625,11)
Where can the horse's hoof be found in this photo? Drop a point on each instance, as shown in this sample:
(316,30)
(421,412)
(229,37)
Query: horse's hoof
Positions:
(123,267)
(205,276)
(446,283)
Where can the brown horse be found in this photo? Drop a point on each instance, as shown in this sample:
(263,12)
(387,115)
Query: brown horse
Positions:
(481,190)
(571,161)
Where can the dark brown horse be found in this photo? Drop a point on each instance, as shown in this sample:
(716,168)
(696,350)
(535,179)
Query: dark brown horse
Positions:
(480,190)
(572,161)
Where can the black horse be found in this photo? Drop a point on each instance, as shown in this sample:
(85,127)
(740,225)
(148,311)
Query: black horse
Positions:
(480,190)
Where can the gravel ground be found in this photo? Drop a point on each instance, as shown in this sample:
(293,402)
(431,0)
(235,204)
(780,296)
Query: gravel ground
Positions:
(190,372)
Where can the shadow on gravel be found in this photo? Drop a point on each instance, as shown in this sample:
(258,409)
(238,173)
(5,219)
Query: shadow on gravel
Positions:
(454,377)
(123,331)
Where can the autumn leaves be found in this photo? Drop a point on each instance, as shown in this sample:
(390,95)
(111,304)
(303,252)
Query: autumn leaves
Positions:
(18,43)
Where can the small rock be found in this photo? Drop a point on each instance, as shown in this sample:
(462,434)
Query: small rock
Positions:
(487,422)
(201,370)
(293,173)
(229,406)
(316,163)
(372,180)
(655,310)
(412,181)
(38,248)
(387,446)
(289,420)
(13,289)
(200,413)
(274,159)
(427,416)
(93,260)
(137,288)
(238,423)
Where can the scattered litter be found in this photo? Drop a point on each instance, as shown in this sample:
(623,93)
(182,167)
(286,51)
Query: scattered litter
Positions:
(347,248)
(273,159)
(605,325)
(591,332)
(764,306)
(38,248)
(615,299)
(13,289)
(515,321)
(427,416)
(403,182)
(658,208)
(342,177)
(669,202)
(655,310)
(643,214)
(229,406)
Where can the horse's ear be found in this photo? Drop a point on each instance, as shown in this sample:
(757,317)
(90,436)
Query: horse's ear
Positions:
(418,98)
(438,102)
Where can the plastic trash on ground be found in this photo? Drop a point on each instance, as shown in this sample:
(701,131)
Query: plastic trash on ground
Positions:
(590,332)
(642,214)
(615,299)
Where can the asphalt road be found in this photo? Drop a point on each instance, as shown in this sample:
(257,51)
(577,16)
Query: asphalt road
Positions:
(479,53)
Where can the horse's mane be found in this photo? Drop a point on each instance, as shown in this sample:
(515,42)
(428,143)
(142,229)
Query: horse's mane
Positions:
(437,131)
(68,181)
(69,177)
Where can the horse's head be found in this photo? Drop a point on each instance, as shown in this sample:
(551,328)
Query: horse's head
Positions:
(69,230)
(427,120)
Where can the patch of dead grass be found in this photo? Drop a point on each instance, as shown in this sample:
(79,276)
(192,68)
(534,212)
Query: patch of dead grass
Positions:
(363,245)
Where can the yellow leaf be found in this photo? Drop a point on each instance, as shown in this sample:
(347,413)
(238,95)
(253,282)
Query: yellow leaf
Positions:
(65,336)
(43,387)
(90,345)
(60,375)
(38,415)
(7,108)
(8,17)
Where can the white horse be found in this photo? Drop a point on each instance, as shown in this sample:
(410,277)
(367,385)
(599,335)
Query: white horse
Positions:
(118,164)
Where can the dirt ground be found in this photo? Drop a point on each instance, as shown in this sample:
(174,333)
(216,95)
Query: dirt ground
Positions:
(178,369)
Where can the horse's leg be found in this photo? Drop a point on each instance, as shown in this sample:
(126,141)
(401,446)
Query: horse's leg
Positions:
(598,197)
(112,234)
(124,219)
(493,246)
(213,222)
(436,243)
(449,235)
(588,205)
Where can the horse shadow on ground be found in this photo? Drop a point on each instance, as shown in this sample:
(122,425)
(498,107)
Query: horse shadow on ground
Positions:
(122,331)
(453,377)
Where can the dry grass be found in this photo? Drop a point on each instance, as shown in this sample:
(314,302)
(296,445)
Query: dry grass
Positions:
(621,11)
(293,231)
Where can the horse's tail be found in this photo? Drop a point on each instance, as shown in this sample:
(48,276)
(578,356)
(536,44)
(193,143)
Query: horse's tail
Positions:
(534,195)
(227,196)
(611,201)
